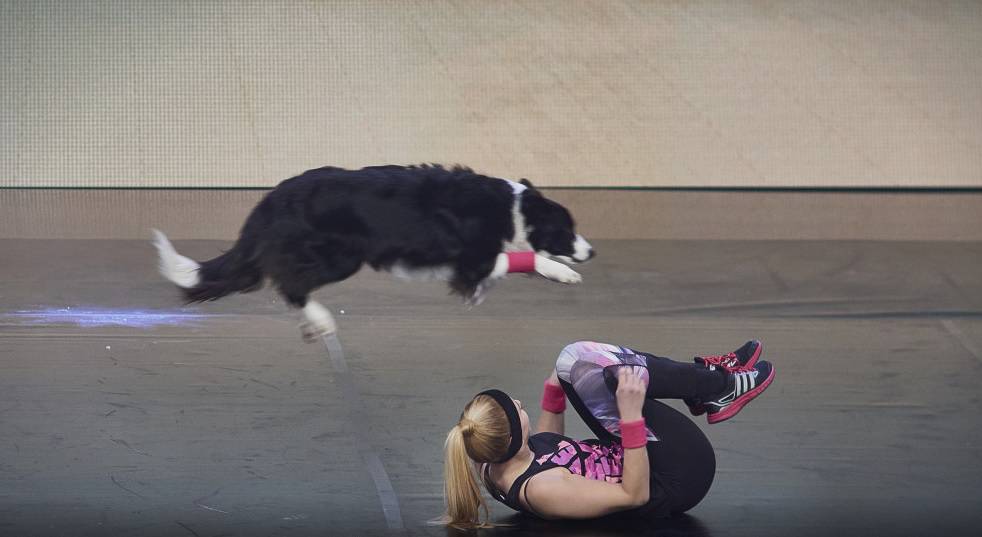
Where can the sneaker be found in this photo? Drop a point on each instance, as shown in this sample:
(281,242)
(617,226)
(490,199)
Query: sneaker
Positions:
(743,358)
(742,387)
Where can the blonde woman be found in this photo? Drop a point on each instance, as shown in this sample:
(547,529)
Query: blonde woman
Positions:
(647,457)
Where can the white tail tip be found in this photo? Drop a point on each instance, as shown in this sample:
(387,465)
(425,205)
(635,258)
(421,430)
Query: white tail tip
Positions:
(175,267)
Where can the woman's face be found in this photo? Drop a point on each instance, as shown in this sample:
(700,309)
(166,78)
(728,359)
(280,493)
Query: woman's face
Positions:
(524,417)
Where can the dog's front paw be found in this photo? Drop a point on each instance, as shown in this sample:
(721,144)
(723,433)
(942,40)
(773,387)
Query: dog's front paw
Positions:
(477,297)
(556,271)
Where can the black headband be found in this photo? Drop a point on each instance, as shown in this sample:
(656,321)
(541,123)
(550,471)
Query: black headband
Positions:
(514,421)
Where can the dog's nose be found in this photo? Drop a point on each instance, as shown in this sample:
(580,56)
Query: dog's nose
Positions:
(590,255)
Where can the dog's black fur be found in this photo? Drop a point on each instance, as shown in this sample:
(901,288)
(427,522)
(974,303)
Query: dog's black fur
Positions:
(323,225)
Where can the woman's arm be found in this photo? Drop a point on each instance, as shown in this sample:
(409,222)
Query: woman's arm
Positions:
(630,399)
(560,494)
(551,422)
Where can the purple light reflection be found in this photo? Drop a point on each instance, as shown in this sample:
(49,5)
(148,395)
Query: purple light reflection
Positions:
(94,317)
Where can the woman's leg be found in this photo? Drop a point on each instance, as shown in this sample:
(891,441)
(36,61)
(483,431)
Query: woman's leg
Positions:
(682,462)
(669,379)
(597,427)
(681,459)
(580,368)
(588,371)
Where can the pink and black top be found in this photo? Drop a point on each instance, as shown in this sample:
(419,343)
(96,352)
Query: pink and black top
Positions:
(591,459)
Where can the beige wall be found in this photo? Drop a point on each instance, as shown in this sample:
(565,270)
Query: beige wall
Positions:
(606,93)
(600,214)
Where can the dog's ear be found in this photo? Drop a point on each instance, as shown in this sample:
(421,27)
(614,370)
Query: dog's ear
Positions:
(528,185)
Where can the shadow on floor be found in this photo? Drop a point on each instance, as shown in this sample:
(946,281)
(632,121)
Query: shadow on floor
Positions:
(520,524)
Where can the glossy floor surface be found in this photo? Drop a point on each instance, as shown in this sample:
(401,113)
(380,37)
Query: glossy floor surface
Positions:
(124,413)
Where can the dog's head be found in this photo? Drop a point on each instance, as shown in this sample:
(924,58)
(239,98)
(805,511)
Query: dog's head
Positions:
(551,229)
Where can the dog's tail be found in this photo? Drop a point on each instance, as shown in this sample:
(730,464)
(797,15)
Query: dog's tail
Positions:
(228,273)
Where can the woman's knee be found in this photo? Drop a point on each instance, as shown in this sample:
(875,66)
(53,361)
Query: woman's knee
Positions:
(572,352)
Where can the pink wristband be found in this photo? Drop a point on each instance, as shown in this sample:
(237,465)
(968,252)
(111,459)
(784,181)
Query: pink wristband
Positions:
(633,434)
(521,261)
(553,398)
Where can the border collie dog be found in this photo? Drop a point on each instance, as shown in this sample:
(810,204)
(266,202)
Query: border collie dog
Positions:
(417,222)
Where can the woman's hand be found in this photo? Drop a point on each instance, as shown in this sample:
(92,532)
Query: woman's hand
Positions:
(630,394)
(553,378)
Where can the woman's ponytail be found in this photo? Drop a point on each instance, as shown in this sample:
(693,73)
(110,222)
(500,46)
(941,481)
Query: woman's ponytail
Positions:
(464,501)
(481,435)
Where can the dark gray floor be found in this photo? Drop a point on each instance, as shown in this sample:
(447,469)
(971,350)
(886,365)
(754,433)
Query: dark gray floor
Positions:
(122,413)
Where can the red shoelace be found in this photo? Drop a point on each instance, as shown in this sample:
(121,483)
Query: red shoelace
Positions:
(729,362)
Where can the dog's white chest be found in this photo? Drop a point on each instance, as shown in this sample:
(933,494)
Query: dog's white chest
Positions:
(520,241)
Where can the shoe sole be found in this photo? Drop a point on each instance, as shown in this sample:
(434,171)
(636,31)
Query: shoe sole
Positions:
(737,405)
(700,410)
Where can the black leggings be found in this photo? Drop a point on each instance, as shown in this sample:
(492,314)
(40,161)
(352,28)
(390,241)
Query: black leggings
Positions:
(682,461)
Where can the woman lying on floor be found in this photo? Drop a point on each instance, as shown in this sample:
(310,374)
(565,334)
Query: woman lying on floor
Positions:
(647,458)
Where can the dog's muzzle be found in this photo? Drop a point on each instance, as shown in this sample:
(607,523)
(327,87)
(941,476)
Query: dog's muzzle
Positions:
(582,251)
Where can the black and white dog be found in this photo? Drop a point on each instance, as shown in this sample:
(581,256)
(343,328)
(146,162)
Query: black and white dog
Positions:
(418,222)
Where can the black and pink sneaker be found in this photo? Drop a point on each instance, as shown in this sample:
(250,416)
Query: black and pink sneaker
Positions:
(743,358)
(742,387)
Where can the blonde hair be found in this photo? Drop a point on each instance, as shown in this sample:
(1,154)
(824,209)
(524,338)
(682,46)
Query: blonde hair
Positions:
(481,435)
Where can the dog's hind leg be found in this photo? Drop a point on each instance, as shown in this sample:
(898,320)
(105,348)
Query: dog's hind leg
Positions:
(316,320)
(319,322)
